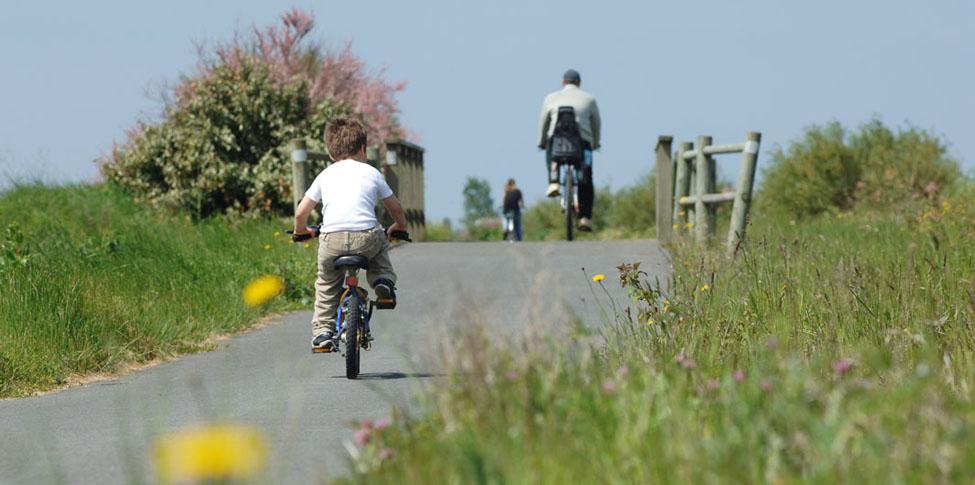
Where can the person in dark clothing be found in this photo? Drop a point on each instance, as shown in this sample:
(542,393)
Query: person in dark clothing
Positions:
(513,203)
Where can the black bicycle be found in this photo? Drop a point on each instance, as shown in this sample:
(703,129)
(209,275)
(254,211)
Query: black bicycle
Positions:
(355,310)
(565,151)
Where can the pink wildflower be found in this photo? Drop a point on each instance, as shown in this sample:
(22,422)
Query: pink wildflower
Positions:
(842,366)
(738,376)
(713,385)
(609,387)
(766,385)
(362,437)
(386,454)
(382,424)
(689,364)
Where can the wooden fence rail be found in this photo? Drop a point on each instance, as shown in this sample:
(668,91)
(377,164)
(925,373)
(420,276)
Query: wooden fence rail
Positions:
(687,184)
(400,162)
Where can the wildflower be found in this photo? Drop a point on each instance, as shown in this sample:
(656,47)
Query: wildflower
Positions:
(713,385)
(306,245)
(766,385)
(650,321)
(676,226)
(277,233)
(609,387)
(842,366)
(688,225)
(382,424)
(738,376)
(210,453)
(361,436)
(689,364)
(386,454)
(262,289)
(705,287)
(267,247)
(599,277)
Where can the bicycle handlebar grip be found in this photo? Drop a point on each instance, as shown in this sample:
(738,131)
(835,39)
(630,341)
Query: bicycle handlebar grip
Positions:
(304,237)
(401,235)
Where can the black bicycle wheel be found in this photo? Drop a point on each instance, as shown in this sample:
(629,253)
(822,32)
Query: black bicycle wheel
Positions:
(569,197)
(353,324)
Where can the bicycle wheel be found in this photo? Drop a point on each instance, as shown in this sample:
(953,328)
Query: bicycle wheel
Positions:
(569,198)
(353,334)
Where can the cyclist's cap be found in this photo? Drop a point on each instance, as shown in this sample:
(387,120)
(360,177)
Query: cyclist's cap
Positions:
(572,76)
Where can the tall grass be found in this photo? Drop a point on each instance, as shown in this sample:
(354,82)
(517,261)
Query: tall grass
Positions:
(91,282)
(836,349)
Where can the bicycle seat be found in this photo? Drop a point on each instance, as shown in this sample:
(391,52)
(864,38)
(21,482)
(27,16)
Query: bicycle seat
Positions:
(351,260)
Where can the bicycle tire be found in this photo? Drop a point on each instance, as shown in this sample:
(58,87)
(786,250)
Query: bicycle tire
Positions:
(353,324)
(569,197)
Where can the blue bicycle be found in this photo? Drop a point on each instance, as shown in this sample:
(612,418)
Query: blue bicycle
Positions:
(355,310)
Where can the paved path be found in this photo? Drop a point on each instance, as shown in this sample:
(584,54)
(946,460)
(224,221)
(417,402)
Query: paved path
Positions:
(102,433)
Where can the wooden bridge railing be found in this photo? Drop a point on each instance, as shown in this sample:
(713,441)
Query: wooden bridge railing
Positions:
(686,188)
(401,162)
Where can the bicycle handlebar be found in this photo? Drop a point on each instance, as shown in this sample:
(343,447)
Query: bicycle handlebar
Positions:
(316,231)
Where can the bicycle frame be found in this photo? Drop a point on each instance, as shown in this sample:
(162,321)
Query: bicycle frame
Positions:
(352,275)
(563,199)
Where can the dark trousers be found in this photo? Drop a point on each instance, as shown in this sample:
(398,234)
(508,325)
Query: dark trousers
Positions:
(587,195)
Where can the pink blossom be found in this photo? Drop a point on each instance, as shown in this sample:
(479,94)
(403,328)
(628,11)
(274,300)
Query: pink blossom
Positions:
(766,385)
(689,364)
(609,386)
(738,376)
(386,454)
(842,366)
(382,424)
(713,385)
(362,437)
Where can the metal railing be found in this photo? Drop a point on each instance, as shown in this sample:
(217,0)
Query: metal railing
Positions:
(687,184)
(400,162)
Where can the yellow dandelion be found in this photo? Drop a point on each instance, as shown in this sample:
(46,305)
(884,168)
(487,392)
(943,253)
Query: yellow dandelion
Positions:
(706,287)
(277,233)
(676,226)
(650,321)
(306,245)
(689,225)
(267,247)
(210,453)
(599,277)
(262,289)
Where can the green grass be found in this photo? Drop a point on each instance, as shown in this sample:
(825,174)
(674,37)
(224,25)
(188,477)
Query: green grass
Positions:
(841,348)
(92,282)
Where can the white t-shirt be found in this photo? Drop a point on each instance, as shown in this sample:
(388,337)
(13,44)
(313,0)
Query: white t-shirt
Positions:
(348,191)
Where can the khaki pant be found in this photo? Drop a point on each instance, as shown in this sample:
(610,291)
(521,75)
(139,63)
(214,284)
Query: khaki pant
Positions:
(328,286)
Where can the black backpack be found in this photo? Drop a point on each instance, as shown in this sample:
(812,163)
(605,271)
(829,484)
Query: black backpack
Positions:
(565,144)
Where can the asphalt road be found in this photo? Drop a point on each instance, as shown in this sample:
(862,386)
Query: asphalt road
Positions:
(268,378)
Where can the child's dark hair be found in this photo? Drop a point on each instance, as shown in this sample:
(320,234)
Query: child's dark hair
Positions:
(344,138)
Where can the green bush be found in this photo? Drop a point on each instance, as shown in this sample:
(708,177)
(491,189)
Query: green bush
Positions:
(828,169)
(223,146)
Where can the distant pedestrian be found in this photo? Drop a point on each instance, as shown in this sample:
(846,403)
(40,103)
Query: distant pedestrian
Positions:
(513,203)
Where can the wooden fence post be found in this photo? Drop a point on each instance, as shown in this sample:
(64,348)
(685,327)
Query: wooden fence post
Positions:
(704,222)
(682,184)
(743,192)
(664,189)
(299,171)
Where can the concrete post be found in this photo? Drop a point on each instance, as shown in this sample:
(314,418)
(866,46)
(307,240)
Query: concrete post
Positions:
(299,171)
(743,192)
(703,224)
(664,190)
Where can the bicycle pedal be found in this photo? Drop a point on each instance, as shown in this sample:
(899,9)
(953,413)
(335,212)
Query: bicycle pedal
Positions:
(385,304)
(319,350)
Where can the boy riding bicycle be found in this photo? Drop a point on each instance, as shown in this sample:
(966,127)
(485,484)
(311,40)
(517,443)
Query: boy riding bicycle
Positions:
(348,190)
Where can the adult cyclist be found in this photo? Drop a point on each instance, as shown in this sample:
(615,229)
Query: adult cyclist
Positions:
(587,118)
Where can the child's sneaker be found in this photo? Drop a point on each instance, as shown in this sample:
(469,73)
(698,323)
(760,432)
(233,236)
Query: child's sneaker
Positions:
(385,294)
(323,342)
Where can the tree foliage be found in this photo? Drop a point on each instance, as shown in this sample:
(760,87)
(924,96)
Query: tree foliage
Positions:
(873,167)
(478,203)
(223,142)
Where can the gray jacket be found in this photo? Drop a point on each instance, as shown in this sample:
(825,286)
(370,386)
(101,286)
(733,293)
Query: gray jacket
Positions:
(587,114)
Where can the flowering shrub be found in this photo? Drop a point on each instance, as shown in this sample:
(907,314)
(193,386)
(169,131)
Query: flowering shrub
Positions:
(829,169)
(223,143)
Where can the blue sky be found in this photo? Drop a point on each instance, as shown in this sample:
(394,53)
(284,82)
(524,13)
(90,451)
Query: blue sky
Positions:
(75,74)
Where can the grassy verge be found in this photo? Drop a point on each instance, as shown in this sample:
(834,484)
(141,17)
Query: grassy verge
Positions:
(91,282)
(836,349)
